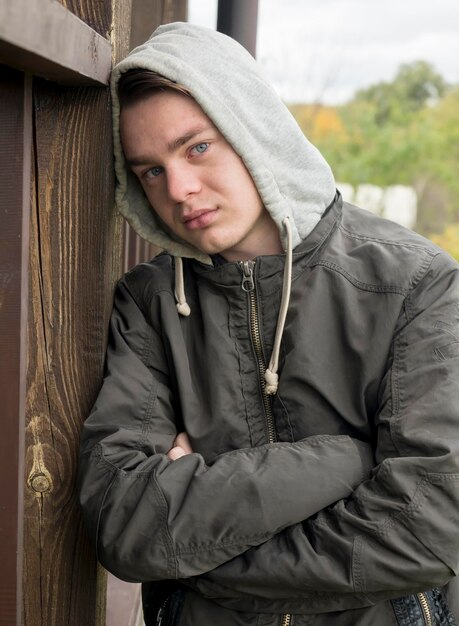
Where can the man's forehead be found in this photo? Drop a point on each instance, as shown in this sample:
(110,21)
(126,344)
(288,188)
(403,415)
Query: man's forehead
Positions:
(167,113)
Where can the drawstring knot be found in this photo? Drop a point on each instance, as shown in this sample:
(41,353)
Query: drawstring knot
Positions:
(272,382)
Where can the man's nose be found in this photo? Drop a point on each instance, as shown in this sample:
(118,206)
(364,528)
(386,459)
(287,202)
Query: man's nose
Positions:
(182,181)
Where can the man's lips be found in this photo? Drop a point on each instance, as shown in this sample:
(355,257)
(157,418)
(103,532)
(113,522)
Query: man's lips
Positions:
(199,218)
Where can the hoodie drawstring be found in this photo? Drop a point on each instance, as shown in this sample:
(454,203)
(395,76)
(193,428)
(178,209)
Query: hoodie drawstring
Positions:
(182,305)
(271,376)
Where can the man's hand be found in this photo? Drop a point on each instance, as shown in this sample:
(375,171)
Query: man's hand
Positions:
(180,447)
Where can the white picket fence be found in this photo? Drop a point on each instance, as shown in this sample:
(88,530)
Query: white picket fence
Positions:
(396,202)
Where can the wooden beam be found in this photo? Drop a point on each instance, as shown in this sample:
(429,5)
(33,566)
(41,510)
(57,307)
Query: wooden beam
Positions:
(45,38)
(15,151)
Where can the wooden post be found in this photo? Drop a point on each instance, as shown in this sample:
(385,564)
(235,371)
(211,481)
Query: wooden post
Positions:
(75,259)
(238,19)
(15,149)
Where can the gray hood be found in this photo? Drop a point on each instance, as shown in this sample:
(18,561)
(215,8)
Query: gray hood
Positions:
(290,174)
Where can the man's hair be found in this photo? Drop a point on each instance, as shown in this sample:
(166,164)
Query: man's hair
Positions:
(137,84)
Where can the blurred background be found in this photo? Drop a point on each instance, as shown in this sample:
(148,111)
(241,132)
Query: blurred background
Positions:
(375,86)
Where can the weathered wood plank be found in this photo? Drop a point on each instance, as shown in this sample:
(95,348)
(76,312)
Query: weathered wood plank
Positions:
(92,12)
(76,250)
(15,147)
(72,240)
(45,38)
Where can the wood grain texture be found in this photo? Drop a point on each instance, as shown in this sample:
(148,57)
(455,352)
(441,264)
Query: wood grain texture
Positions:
(93,12)
(75,260)
(72,276)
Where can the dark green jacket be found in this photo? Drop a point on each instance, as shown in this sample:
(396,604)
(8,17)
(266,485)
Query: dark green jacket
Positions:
(281,511)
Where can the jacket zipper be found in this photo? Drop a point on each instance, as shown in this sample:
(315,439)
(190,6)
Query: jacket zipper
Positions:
(425,608)
(161,613)
(248,285)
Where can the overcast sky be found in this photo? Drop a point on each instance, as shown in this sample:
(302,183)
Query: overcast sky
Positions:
(326,49)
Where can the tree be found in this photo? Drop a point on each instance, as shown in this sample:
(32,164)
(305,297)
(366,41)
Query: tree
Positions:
(415,85)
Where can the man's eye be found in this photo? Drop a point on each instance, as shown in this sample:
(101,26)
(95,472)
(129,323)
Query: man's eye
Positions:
(200,148)
(153,172)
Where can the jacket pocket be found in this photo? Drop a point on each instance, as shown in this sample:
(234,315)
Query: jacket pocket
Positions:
(428,608)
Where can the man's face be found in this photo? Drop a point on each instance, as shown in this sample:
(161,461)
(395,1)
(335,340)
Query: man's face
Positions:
(193,178)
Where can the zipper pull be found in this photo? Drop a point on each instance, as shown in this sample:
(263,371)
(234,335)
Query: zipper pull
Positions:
(162,612)
(248,283)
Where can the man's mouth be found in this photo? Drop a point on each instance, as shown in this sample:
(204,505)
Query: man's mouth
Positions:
(199,218)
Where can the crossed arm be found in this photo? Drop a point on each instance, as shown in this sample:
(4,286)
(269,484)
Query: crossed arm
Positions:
(157,511)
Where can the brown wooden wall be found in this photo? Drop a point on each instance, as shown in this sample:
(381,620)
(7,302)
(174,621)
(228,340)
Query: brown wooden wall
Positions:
(75,258)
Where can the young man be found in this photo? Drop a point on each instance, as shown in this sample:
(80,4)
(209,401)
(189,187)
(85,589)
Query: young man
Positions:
(276,440)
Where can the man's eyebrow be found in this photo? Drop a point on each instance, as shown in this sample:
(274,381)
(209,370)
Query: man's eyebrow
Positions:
(181,141)
(137,161)
(172,145)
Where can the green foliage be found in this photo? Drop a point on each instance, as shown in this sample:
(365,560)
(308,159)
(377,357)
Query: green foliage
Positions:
(414,86)
(402,132)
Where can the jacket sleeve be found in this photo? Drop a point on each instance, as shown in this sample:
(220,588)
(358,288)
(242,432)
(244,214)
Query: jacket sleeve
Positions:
(398,531)
(152,518)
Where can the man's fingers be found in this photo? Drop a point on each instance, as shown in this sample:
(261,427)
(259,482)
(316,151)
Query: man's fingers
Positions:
(183,442)
(181,447)
(176,452)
